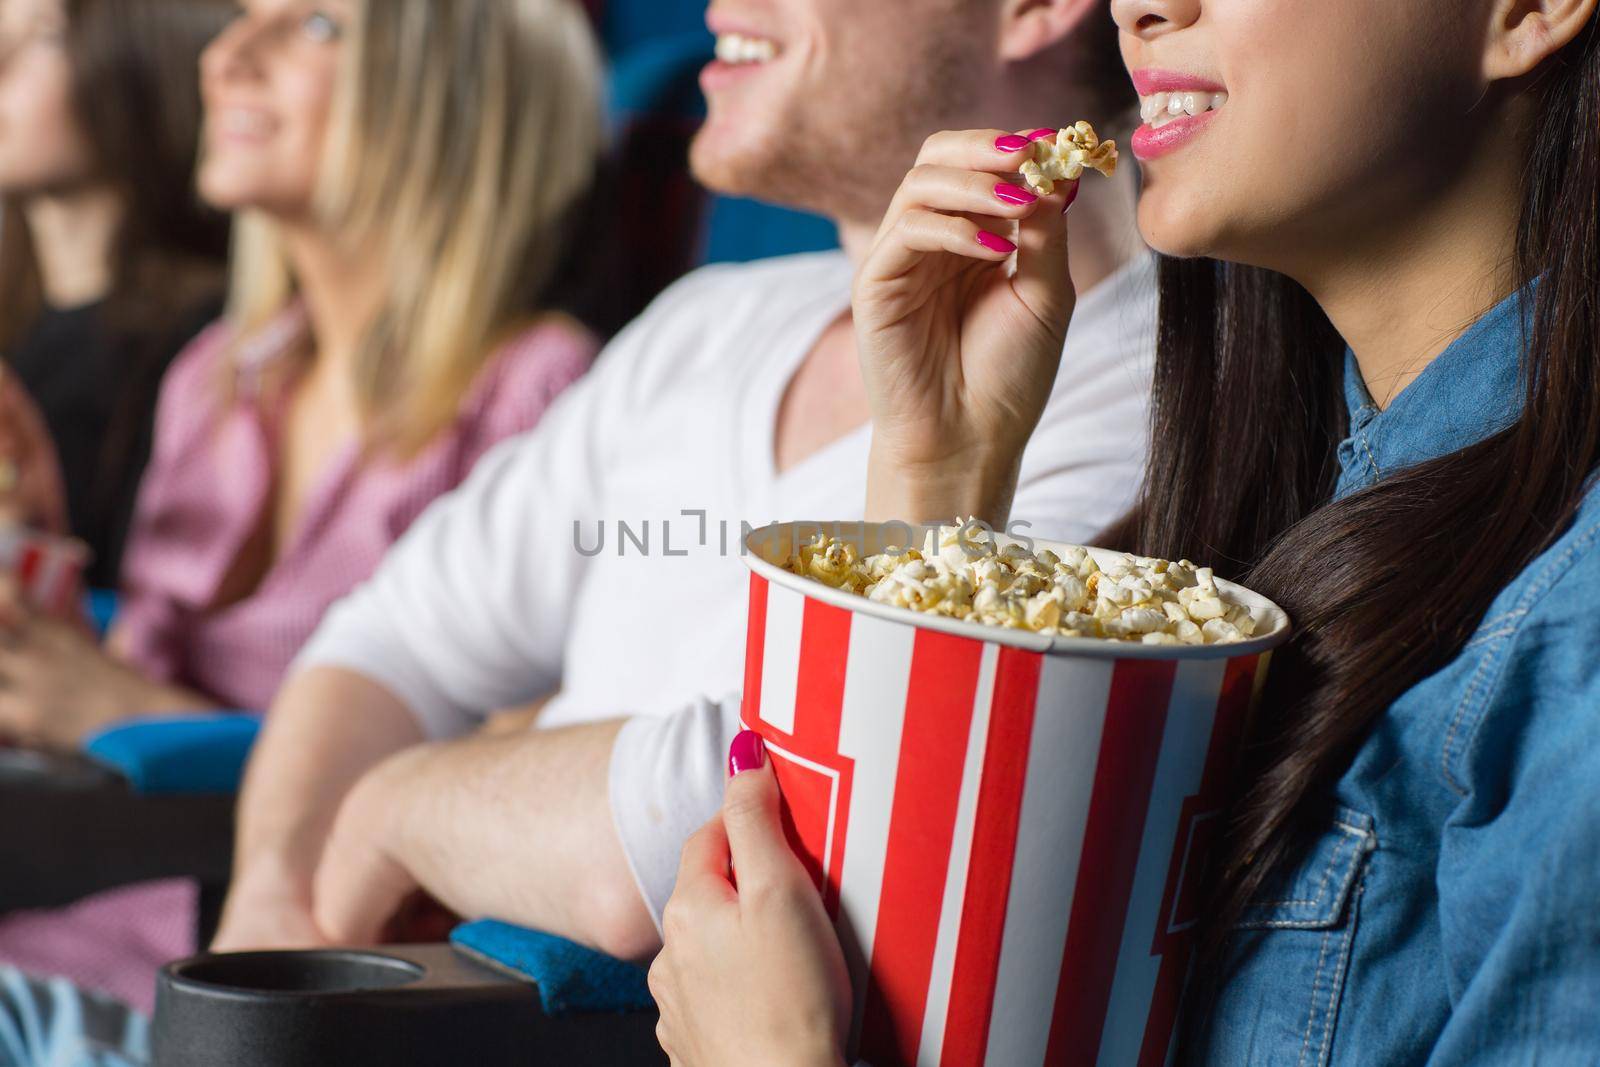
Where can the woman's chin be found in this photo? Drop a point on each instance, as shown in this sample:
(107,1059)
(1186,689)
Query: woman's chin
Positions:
(222,189)
(1176,228)
(1176,237)
(235,197)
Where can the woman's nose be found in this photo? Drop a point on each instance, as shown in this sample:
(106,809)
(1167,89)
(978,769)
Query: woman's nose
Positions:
(1151,18)
(233,52)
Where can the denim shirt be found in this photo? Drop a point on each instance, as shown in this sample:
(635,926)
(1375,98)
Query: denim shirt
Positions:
(1448,912)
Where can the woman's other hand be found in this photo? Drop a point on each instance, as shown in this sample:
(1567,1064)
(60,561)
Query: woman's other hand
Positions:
(58,687)
(960,351)
(751,971)
(31,491)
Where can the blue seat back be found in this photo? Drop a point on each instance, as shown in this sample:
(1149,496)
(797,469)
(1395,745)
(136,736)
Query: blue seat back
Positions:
(626,24)
(741,230)
(657,48)
(102,605)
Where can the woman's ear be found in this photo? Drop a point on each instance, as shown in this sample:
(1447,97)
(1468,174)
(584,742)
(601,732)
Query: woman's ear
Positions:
(1031,27)
(1525,33)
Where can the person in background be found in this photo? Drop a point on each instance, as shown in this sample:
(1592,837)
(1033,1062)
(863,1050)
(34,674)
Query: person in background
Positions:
(404,176)
(738,397)
(1376,404)
(109,262)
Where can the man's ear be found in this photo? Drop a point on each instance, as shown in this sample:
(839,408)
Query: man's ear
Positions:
(1031,27)
(1525,33)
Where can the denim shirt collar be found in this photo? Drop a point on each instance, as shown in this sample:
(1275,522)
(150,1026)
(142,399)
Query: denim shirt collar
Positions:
(1470,392)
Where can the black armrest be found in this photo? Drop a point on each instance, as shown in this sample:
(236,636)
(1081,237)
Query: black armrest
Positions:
(410,1006)
(71,827)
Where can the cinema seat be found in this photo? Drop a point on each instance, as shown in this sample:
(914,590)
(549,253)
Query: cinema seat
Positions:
(147,800)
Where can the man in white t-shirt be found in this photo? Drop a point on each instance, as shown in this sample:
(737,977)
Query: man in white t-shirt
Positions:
(594,564)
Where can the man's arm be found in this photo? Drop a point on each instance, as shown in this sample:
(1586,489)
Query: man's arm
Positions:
(466,614)
(327,728)
(515,827)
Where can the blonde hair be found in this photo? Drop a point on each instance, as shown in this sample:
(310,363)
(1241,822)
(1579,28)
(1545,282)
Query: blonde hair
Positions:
(464,134)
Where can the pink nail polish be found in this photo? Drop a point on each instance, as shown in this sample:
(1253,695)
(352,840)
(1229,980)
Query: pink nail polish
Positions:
(1072,196)
(1012,194)
(1039,135)
(995,243)
(747,753)
(1012,143)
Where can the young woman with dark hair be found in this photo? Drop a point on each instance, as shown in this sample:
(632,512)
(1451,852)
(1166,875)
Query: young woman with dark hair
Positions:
(1376,402)
(109,263)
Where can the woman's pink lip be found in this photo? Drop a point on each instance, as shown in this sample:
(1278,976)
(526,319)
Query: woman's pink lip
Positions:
(1150,81)
(1150,143)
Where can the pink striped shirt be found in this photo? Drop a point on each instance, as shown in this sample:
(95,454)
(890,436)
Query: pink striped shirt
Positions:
(210,482)
(205,493)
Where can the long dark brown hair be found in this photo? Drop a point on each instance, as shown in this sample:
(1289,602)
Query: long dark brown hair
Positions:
(136,93)
(1249,411)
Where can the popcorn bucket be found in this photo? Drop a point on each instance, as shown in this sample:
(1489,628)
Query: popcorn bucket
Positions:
(49,569)
(1008,828)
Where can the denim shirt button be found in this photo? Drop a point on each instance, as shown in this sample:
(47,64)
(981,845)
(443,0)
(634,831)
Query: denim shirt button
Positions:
(1347,452)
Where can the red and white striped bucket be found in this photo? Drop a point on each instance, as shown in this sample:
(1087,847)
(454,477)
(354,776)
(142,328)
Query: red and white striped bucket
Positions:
(1008,828)
(49,569)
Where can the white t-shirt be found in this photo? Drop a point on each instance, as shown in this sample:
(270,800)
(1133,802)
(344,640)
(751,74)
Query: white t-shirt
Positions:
(598,556)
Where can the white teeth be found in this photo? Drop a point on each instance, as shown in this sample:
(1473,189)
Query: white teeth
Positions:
(244,122)
(1158,109)
(737,48)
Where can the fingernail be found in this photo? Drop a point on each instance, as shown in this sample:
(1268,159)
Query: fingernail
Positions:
(1011,194)
(1039,135)
(995,243)
(747,753)
(1072,195)
(1012,143)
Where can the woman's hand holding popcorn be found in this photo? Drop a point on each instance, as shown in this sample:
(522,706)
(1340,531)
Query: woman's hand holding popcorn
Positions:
(960,350)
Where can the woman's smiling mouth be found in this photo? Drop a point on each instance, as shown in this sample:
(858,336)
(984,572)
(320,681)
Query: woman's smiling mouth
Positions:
(1158,109)
(1175,107)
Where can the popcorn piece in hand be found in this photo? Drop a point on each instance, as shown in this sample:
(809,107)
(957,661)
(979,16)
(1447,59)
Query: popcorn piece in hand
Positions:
(961,574)
(1074,150)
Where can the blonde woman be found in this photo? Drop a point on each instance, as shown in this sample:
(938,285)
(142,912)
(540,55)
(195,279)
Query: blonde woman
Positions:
(405,176)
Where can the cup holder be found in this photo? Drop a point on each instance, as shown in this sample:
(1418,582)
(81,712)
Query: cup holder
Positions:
(398,1006)
(300,972)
